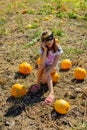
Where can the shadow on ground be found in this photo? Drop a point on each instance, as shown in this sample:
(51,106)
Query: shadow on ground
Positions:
(19,104)
(77,81)
(19,75)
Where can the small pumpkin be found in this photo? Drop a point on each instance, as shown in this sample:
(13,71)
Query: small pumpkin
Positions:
(61,106)
(38,61)
(29,26)
(46,18)
(66,64)
(56,40)
(25,68)
(55,77)
(36,20)
(24,11)
(18,90)
(79,73)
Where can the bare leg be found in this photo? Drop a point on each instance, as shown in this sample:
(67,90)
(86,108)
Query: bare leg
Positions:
(50,84)
(39,74)
(50,98)
(36,87)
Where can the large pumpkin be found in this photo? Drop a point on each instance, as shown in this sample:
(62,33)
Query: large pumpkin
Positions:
(61,106)
(25,68)
(55,77)
(66,64)
(79,73)
(18,90)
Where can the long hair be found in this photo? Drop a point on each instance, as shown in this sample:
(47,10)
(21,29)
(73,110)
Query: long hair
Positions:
(46,34)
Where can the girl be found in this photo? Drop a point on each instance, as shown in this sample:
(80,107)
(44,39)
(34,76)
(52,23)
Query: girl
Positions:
(50,52)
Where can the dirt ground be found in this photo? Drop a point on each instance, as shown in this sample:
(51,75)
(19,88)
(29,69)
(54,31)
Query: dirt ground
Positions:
(30,112)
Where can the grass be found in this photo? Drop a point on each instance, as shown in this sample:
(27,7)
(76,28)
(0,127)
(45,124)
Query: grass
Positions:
(31,43)
(19,22)
(34,38)
(2,21)
(58,32)
(85,43)
(30,11)
(60,14)
(72,15)
(81,126)
(47,9)
(70,52)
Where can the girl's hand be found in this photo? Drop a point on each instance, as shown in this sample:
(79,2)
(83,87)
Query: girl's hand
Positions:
(43,45)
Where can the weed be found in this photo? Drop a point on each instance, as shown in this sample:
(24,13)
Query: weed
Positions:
(37,34)
(31,43)
(46,10)
(58,32)
(72,15)
(60,14)
(35,25)
(30,11)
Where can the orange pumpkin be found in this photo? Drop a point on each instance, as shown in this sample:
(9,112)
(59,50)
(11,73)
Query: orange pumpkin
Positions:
(79,73)
(56,40)
(18,90)
(25,68)
(55,77)
(61,106)
(38,61)
(66,64)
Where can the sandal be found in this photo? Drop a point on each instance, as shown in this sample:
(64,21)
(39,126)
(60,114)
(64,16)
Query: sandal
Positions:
(34,89)
(49,100)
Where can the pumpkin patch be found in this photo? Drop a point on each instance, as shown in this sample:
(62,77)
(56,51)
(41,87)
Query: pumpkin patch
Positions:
(25,103)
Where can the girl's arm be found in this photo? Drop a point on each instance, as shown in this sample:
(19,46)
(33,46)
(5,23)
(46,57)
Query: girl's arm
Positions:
(49,68)
(43,55)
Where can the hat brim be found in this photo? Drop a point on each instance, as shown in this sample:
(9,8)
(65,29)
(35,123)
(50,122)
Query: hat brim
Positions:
(51,37)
